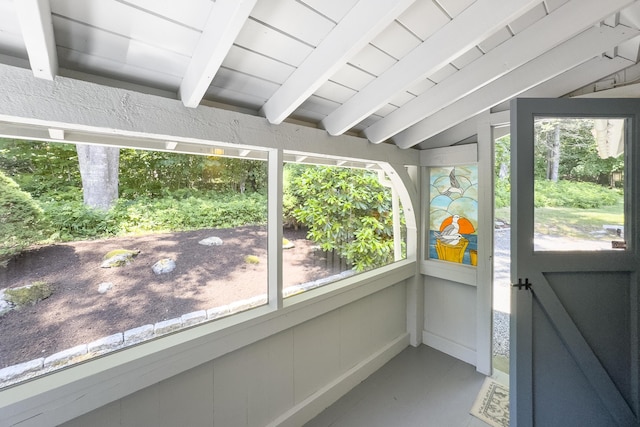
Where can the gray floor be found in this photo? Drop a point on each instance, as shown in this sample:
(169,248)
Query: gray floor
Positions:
(419,387)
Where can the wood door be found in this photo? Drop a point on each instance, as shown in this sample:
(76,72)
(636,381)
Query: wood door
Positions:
(574,322)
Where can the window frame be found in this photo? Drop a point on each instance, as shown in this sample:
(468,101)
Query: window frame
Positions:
(69,392)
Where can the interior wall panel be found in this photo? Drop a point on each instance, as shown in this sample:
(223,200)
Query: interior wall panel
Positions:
(271,381)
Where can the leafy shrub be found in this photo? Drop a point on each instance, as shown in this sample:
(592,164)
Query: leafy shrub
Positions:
(348,211)
(21,220)
(71,220)
(502,193)
(208,211)
(583,195)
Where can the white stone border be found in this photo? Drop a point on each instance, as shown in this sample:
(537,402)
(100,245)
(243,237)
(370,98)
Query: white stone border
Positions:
(23,371)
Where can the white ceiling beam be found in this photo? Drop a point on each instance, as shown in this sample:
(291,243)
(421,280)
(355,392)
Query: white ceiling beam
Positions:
(564,83)
(363,22)
(453,135)
(223,25)
(480,20)
(37,30)
(579,49)
(564,23)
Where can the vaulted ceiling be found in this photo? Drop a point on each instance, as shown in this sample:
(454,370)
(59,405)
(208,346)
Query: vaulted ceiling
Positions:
(393,71)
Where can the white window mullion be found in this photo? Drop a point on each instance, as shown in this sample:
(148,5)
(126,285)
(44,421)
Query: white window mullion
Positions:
(274,228)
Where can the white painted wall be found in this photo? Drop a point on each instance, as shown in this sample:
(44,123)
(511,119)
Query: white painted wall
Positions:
(284,379)
(450,317)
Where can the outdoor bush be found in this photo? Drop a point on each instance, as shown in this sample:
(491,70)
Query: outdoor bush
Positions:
(71,220)
(346,210)
(502,192)
(21,220)
(583,195)
(208,211)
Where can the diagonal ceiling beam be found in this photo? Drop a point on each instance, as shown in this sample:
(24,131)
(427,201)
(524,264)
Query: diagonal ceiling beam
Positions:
(580,76)
(564,23)
(225,22)
(579,49)
(37,30)
(473,25)
(363,22)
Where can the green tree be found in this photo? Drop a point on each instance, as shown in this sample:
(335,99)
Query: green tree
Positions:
(578,154)
(41,167)
(346,210)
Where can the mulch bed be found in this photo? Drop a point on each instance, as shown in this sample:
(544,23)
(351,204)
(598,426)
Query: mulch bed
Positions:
(205,277)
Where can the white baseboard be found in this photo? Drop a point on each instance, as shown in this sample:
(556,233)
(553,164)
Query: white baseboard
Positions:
(324,397)
(449,347)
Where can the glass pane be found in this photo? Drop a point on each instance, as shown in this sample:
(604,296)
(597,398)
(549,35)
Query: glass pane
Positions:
(180,240)
(579,184)
(453,214)
(338,221)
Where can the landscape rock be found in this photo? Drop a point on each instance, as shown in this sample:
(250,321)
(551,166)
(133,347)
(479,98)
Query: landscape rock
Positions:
(218,312)
(211,241)
(105,344)
(104,287)
(193,318)
(11,372)
(167,326)
(136,335)
(119,258)
(5,306)
(65,356)
(164,266)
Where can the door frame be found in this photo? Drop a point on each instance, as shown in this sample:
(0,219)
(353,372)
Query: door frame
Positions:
(522,302)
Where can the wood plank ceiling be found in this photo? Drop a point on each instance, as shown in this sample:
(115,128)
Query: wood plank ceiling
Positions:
(395,71)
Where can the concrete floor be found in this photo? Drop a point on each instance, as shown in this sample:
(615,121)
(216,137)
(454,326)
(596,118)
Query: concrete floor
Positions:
(420,387)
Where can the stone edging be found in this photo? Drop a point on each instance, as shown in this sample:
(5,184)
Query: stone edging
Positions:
(22,371)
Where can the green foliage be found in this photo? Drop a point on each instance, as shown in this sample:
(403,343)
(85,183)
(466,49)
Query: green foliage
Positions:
(73,220)
(28,295)
(40,167)
(21,219)
(583,195)
(346,210)
(156,173)
(48,169)
(502,192)
(579,159)
(291,198)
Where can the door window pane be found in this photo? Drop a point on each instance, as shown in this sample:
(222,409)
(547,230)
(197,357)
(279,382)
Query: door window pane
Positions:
(579,184)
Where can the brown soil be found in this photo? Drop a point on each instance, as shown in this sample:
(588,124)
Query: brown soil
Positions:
(205,277)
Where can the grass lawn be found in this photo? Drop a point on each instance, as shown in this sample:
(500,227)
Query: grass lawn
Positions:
(572,222)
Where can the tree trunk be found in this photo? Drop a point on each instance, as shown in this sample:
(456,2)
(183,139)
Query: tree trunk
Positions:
(553,162)
(99,166)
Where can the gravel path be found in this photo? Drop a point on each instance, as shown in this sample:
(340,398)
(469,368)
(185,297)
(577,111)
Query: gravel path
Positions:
(501,283)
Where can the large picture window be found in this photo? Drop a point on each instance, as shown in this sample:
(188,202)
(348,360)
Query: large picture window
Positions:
(105,247)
